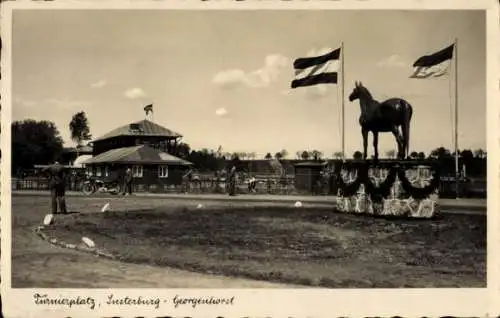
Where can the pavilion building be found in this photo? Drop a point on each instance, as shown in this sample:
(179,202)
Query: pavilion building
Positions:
(146,148)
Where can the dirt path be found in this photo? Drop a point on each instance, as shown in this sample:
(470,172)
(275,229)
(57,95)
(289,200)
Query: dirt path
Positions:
(37,264)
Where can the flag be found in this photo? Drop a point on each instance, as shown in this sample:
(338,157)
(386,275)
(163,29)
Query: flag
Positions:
(148,109)
(434,65)
(315,70)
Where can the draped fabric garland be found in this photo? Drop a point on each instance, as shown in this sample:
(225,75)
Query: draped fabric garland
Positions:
(382,191)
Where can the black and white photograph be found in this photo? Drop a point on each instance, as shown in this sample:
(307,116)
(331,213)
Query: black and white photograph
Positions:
(245,149)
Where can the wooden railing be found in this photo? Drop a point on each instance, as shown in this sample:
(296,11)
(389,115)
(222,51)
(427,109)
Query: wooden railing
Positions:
(271,185)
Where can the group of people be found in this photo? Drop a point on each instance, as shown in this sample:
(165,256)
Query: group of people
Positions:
(232,180)
(57,184)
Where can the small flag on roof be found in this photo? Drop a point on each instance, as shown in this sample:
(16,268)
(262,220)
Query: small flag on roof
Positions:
(148,109)
(433,65)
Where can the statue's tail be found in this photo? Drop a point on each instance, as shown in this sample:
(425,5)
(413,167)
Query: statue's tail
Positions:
(406,126)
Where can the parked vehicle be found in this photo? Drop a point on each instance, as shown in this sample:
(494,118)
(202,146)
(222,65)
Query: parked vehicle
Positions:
(93,185)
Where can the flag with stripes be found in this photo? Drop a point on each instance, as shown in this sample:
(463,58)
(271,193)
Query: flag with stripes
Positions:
(315,70)
(148,109)
(433,65)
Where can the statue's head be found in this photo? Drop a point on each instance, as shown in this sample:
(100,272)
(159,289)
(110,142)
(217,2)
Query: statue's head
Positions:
(358,89)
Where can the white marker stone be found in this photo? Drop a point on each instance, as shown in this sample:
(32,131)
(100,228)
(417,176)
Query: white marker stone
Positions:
(298,204)
(88,242)
(105,207)
(200,206)
(48,219)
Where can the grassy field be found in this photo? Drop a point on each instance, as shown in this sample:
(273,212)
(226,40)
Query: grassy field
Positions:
(38,264)
(308,246)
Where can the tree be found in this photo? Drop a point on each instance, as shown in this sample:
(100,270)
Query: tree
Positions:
(278,156)
(440,153)
(284,153)
(316,155)
(480,153)
(305,155)
(243,155)
(34,142)
(268,156)
(421,155)
(390,153)
(414,155)
(183,150)
(338,154)
(357,155)
(79,128)
(467,156)
(298,154)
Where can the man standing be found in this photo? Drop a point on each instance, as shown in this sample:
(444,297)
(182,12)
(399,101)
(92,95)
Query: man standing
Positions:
(251,184)
(232,181)
(127,189)
(186,180)
(57,186)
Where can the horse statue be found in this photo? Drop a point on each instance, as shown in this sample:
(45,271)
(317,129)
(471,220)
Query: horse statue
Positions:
(386,116)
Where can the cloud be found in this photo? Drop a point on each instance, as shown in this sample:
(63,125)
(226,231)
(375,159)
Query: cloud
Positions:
(66,104)
(229,77)
(99,84)
(134,93)
(24,102)
(261,77)
(221,112)
(393,61)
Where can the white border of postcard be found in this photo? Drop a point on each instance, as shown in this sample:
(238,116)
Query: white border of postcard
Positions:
(271,302)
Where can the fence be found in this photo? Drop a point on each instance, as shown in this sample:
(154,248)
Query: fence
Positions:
(269,185)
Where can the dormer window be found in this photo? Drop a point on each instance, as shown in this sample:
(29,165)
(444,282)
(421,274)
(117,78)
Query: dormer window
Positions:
(135,128)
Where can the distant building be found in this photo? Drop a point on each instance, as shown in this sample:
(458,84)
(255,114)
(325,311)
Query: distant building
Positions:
(143,146)
(75,155)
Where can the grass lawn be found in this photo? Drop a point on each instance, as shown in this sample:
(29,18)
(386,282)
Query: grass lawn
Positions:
(307,246)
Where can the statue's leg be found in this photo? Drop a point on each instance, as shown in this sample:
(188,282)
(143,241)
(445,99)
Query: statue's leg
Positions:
(399,141)
(364,132)
(375,144)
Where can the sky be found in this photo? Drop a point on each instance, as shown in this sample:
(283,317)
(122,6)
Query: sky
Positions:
(222,78)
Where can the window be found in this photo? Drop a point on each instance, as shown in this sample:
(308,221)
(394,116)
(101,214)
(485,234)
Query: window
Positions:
(163,171)
(89,171)
(106,172)
(98,171)
(137,171)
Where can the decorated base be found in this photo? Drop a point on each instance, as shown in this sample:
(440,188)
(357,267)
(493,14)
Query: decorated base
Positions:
(388,188)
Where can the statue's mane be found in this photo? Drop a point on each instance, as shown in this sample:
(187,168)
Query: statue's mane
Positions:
(366,91)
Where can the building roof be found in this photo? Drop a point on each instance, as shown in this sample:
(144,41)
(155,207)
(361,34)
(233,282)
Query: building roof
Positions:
(141,154)
(80,150)
(79,161)
(140,128)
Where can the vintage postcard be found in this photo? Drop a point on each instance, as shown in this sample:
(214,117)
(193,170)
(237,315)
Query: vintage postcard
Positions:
(250,159)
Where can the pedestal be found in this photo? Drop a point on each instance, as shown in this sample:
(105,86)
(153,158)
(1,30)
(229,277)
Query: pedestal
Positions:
(388,188)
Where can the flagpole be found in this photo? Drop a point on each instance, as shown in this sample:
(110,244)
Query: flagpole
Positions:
(342,100)
(457,173)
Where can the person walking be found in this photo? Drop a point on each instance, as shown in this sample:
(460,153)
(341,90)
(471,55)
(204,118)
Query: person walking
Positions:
(232,181)
(252,182)
(57,186)
(127,188)
(186,180)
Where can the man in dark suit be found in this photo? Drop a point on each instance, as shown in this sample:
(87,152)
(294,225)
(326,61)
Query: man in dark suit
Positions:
(57,186)
(128,182)
(232,181)
(186,180)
